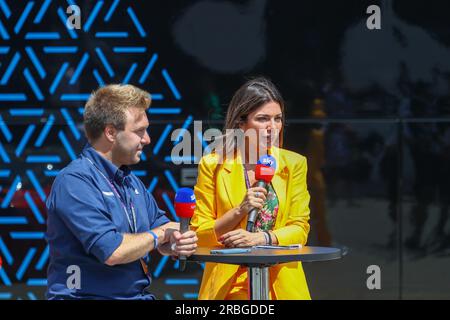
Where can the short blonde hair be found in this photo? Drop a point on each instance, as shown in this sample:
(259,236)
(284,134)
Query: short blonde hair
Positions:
(107,106)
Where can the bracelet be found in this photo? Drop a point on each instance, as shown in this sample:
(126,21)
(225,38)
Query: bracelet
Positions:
(155,239)
(265,238)
(269,237)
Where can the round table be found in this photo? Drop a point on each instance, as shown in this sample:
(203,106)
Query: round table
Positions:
(258,261)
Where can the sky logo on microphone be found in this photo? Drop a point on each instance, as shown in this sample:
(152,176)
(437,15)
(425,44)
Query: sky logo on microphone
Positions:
(268,161)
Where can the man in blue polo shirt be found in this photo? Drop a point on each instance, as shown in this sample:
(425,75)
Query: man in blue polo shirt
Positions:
(102,222)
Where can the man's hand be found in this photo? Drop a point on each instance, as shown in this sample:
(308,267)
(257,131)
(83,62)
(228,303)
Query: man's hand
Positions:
(242,238)
(183,244)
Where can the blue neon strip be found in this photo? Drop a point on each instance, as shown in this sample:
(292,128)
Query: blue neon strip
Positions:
(160,266)
(177,282)
(43,259)
(79,68)
(23,17)
(33,84)
(10,194)
(27,235)
(4,50)
(5,295)
(5,173)
(43,159)
(4,155)
(172,86)
(45,131)
(42,11)
(54,49)
(58,77)
(93,15)
(6,253)
(136,22)
(130,73)
(67,146)
(5,130)
(31,296)
(25,139)
(13,97)
(184,159)
(164,110)
(26,112)
(34,208)
(156,96)
(36,62)
(111,10)
(25,263)
(63,18)
(13,220)
(5,280)
(42,36)
(152,185)
(161,139)
(3,32)
(37,185)
(148,68)
(190,295)
(170,206)
(139,173)
(51,173)
(5,8)
(75,97)
(104,61)
(37,282)
(111,34)
(186,125)
(129,49)
(99,79)
(10,69)
(171,179)
(71,123)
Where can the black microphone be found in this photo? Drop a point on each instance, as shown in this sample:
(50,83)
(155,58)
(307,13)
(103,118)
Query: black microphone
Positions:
(264,172)
(184,208)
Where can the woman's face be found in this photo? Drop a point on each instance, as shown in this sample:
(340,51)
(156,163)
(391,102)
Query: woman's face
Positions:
(267,121)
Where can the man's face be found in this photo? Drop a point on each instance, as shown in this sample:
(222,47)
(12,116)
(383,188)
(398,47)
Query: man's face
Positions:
(129,143)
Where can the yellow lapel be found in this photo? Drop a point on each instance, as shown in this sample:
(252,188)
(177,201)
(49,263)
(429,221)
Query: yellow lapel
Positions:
(279,181)
(234,181)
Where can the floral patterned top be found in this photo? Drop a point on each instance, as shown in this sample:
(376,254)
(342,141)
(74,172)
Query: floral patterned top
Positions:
(267,216)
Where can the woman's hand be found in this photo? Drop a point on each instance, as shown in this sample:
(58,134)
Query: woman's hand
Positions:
(254,198)
(242,238)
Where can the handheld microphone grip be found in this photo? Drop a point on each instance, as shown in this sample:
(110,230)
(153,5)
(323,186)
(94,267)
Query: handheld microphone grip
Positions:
(184,208)
(184,227)
(254,212)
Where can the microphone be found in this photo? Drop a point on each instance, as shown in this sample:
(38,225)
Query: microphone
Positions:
(184,208)
(264,172)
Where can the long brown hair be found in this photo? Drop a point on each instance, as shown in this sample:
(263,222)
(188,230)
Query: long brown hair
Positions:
(249,97)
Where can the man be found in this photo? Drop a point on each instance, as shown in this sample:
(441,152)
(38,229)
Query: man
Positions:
(102,222)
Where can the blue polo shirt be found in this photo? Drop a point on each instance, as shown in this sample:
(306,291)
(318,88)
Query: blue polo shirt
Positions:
(85,225)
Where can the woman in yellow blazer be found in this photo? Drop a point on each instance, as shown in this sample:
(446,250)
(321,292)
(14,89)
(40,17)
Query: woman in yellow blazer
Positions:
(225,193)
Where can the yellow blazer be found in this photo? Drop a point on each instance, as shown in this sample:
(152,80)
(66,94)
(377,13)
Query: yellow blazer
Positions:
(222,187)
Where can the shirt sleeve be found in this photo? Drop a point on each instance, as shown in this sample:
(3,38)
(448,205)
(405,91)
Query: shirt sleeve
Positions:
(81,207)
(157,217)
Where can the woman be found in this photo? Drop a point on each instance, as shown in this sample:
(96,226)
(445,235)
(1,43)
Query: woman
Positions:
(226,192)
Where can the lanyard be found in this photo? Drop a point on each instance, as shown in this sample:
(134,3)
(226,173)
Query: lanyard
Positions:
(247,181)
(132,225)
